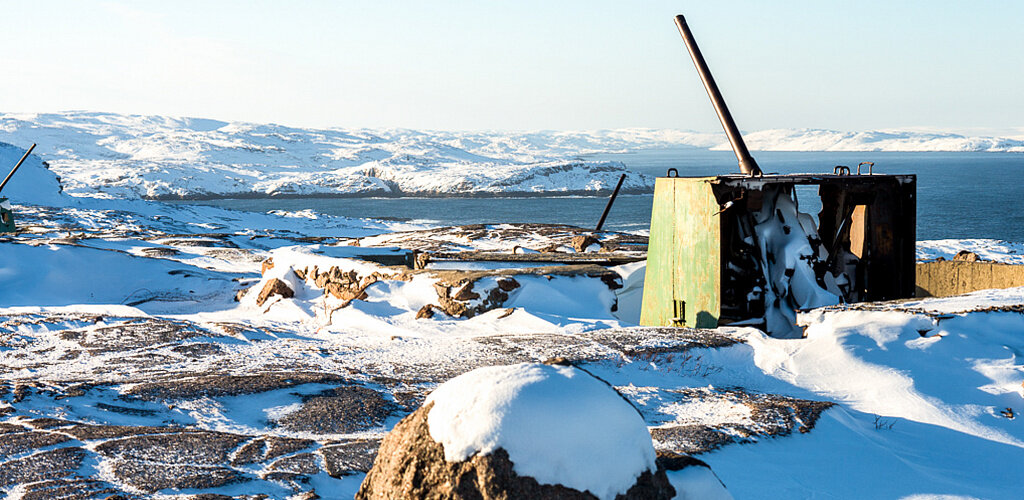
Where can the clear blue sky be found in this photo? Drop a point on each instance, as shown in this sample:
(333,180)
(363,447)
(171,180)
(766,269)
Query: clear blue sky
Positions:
(523,64)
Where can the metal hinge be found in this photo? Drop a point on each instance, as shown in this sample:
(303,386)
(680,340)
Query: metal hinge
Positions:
(678,312)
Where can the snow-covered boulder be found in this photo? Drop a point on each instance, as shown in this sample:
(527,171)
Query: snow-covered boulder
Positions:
(519,431)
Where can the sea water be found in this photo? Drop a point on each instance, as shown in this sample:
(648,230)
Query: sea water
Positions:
(959,195)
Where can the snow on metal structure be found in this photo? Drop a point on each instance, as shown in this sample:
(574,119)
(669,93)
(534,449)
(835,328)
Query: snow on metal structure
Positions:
(735,249)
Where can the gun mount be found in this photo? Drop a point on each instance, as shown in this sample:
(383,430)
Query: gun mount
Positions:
(735,249)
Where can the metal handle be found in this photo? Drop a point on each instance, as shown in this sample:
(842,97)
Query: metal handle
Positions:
(870,164)
(15,169)
(747,164)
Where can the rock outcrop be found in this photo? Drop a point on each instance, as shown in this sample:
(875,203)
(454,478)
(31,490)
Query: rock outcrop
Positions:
(274,287)
(966,256)
(582,242)
(459,300)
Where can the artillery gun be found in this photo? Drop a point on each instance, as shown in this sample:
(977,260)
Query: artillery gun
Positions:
(736,250)
(6,214)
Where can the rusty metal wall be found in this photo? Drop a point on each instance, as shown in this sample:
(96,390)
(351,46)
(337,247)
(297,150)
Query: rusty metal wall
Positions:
(946,278)
(684,255)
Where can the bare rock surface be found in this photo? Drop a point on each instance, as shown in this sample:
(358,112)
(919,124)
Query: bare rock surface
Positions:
(503,238)
(339,411)
(228,385)
(411,465)
(150,477)
(51,464)
(767,415)
(201,447)
(582,242)
(966,256)
(351,457)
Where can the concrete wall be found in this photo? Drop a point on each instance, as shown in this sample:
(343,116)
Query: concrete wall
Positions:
(945,278)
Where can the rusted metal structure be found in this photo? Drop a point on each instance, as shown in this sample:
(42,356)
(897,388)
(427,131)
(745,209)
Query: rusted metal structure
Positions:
(6,214)
(734,249)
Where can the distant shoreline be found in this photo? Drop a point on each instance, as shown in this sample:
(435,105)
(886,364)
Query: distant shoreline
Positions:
(249,195)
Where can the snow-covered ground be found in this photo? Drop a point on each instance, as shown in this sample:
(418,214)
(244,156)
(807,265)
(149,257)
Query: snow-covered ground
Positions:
(128,366)
(132,156)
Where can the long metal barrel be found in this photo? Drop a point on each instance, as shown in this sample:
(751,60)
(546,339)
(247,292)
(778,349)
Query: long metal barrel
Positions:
(15,169)
(747,164)
(611,200)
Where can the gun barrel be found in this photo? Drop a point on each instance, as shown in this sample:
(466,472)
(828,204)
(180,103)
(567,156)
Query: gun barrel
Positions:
(747,164)
(15,169)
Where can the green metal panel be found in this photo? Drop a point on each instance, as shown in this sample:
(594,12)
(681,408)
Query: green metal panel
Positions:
(656,308)
(683,278)
(699,265)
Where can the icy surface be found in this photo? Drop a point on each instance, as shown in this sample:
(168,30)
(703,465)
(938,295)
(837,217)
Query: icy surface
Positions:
(558,424)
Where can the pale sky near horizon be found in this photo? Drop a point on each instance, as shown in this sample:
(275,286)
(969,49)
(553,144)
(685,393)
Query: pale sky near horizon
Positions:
(523,65)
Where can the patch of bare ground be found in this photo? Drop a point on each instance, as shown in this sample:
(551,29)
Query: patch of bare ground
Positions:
(503,237)
(216,385)
(340,410)
(766,415)
(148,459)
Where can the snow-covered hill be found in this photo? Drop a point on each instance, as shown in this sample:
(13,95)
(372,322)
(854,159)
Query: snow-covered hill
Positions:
(133,156)
(875,140)
(121,156)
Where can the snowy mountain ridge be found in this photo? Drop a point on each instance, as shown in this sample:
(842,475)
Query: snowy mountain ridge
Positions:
(110,155)
(120,156)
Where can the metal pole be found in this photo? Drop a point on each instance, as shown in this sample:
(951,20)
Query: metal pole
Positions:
(608,207)
(4,183)
(747,164)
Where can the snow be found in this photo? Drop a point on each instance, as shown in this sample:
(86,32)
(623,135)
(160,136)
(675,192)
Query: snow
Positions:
(845,456)
(790,275)
(558,424)
(881,362)
(804,139)
(52,275)
(1006,252)
(106,155)
(632,292)
(698,483)
(920,385)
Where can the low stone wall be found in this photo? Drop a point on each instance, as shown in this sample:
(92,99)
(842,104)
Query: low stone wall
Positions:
(954,277)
